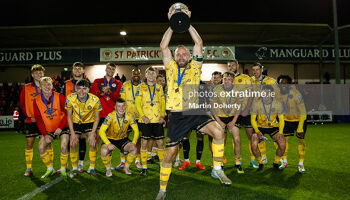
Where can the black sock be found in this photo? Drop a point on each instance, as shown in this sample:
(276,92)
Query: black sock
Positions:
(186,148)
(199,149)
(82,148)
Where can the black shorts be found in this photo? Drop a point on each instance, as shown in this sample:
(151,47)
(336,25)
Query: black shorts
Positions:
(244,121)
(227,120)
(152,131)
(31,130)
(65,130)
(270,131)
(100,122)
(180,123)
(120,144)
(82,128)
(291,127)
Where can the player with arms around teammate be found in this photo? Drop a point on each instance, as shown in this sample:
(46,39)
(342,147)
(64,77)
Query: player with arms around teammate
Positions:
(116,125)
(244,119)
(29,92)
(227,117)
(184,71)
(67,89)
(83,114)
(51,118)
(150,104)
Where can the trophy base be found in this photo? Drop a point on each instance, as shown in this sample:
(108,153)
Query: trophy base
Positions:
(179,22)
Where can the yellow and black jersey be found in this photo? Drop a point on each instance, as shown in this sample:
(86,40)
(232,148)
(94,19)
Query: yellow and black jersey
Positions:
(265,80)
(265,115)
(293,106)
(128,92)
(191,76)
(83,112)
(153,108)
(243,79)
(224,104)
(243,83)
(116,128)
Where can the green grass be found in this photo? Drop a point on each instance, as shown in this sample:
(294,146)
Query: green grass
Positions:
(327,163)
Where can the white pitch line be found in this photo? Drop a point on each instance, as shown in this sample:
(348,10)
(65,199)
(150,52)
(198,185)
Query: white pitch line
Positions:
(46,186)
(41,189)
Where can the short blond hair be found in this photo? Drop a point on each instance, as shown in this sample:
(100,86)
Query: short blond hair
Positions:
(150,69)
(37,67)
(45,79)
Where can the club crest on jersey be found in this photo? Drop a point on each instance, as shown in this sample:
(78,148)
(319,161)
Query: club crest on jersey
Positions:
(33,94)
(47,112)
(89,107)
(114,85)
(239,80)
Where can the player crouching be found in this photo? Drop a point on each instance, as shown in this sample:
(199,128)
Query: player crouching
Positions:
(117,123)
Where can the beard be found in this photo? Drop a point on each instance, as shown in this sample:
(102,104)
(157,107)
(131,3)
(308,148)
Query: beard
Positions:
(182,65)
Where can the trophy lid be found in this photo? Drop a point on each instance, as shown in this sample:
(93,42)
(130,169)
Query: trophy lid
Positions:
(178,5)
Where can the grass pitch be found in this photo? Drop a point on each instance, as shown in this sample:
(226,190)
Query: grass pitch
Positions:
(327,173)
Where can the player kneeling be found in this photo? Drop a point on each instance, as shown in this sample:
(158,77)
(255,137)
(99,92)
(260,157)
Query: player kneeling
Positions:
(117,123)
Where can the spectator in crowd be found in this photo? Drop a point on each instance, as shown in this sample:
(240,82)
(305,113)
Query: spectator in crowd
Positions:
(16,119)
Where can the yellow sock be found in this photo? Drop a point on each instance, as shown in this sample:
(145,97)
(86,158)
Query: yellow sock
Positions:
(110,159)
(129,159)
(276,145)
(122,157)
(138,157)
(238,160)
(301,149)
(165,172)
(178,152)
(45,157)
(218,151)
(233,145)
(74,158)
(144,158)
(92,156)
(154,150)
(262,148)
(160,155)
(29,157)
(64,160)
(286,151)
(252,157)
(106,161)
(51,154)
(277,159)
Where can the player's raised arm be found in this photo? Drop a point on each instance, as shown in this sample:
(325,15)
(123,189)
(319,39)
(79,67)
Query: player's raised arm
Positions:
(164,46)
(198,43)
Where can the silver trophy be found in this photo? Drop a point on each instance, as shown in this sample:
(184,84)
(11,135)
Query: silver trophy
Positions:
(179,21)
